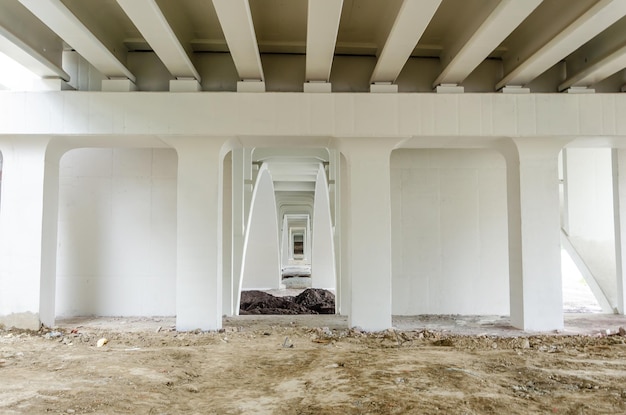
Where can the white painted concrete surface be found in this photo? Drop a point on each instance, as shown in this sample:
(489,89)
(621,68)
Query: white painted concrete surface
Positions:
(365,128)
(117,232)
(322,239)
(449,232)
(260,269)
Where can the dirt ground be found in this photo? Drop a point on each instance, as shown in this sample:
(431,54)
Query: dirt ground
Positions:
(314,365)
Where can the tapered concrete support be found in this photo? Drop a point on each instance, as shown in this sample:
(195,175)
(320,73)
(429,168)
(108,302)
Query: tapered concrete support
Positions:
(366,232)
(29,203)
(261,252)
(50,223)
(619,215)
(199,245)
(534,233)
(322,249)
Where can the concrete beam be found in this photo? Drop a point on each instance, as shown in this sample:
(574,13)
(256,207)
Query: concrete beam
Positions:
(599,17)
(597,70)
(470,51)
(407,29)
(236,20)
(55,15)
(322,27)
(154,27)
(27,56)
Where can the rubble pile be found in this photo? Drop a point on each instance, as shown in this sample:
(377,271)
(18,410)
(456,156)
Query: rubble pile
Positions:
(310,301)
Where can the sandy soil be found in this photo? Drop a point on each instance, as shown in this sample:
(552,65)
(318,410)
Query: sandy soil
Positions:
(280,366)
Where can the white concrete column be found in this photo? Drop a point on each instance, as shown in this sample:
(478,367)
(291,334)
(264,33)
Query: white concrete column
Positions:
(238,226)
(261,253)
(323,246)
(50,224)
(619,215)
(248,184)
(534,233)
(27,233)
(199,234)
(228,303)
(284,243)
(367,228)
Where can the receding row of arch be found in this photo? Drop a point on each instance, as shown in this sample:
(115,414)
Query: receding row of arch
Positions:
(117,228)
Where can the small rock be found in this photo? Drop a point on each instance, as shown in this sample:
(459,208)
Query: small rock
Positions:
(622,332)
(525,344)
(494,345)
(102,342)
(71,411)
(158,329)
(287,344)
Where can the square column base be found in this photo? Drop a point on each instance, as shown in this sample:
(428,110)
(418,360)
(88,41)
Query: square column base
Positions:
(384,88)
(449,89)
(318,87)
(118,85)
(250,86)
(185,85)
(580,90)
(515,90)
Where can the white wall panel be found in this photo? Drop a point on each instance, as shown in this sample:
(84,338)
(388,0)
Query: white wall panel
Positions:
(117,232)
(449,232)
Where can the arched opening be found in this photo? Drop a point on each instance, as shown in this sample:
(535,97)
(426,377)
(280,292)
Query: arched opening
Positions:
(588,262)
(117,232)
(289,231)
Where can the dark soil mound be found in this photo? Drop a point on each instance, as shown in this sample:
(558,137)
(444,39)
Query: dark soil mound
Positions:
(259,302)
(318,300)
(310,301)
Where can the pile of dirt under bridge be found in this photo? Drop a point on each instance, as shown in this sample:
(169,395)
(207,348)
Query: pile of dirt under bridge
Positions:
(310,301)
